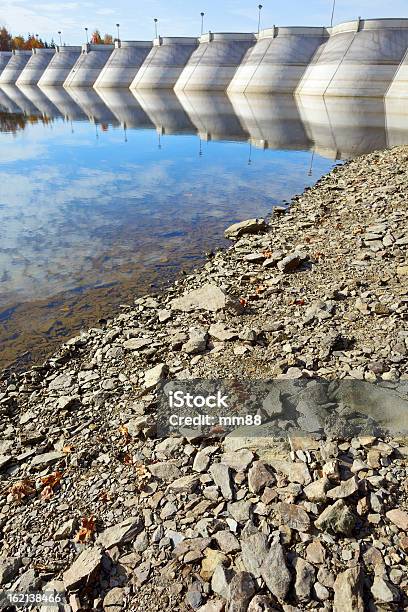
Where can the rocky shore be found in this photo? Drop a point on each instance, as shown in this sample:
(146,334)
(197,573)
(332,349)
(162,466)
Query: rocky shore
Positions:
(95,506)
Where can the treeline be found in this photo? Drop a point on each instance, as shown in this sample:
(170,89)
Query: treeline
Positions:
(8,42)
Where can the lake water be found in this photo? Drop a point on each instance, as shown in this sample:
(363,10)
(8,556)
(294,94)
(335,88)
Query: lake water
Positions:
(104,197)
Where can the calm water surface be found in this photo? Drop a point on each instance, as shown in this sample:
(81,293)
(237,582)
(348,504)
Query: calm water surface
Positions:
(104,196)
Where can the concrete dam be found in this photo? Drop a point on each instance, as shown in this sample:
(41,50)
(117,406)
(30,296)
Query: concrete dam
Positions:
(361,58)
(88,66)
(124,63)
(35,67)
(14,67)
(60,66)
(165,63)
(214,62)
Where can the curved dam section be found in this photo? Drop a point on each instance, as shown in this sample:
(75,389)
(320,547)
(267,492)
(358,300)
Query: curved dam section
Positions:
(14,67)
(278,61)
(399,85)
(4,59)
(88,66)
(165,63)
(123,64)
(35,66)
(214,63)
(360,58)
(60,66)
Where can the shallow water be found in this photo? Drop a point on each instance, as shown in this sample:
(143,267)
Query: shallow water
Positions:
(103,196)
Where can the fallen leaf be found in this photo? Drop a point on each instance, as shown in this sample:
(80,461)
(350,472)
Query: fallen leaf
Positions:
(47,492)
(51,480)
(68,449)
(125,432)
(22,489)
(87,530)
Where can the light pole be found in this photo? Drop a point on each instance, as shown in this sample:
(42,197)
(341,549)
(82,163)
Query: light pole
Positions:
(118,26)
(332,15)
(155,26)
(202,23)
(87,39)
(260,7)
(59,34)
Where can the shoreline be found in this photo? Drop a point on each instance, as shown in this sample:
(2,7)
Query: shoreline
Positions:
(319,292)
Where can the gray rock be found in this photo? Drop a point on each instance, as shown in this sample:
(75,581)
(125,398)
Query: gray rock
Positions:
(305,577)
(241,591)
(227,542)
(291,262)
(47,459)
(185,484)
(294,516)
(220,580)
(222,478)
(345,489)
(383,591)
(114,600)
(83,567)
(296,472)
(154,375)
(203,458)
(4,461)
(209,297)
(316,491)
(259,477)
(166,470)
(254,552)
(337,518)
(250,226)
(9,568)
(197,342)
(275,572)
(218,331)
(237,460)
(125,531)
(240,510)
(136,344)
(348,591)
(261,603)
(63,381)
(66,530)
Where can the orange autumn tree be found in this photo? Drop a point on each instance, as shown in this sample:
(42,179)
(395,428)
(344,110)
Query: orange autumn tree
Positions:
(96,38)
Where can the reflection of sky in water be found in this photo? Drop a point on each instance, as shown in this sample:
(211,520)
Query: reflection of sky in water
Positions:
(77,207)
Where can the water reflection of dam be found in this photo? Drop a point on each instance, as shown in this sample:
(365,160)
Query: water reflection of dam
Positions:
(337,128)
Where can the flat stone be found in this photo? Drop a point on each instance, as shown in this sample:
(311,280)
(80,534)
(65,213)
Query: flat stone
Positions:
(185,484)
(209,297)
(261,603)
(166,470)
(345,489)
(218,331)
(291,262)
(63,381)
(275,572)
(296,472)
(316,491)
(399,518)
(237,460)
(294,516)
(154,375)
(5,460)
(136,344)
(197,342)
(47,459)
(250,226)
(86,564)
(316,553)
(383,591)
(221,579)
(125,531)
(240,510)
(348,591)
(227,542)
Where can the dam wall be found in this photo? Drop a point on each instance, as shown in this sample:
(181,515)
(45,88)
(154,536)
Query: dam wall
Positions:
(88,66)
(35,67)
(399,85)
(123,64)
(4,59)
(60,66)
(14,67)
(213,64)
(165,63)
(360,58)
(278,61)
